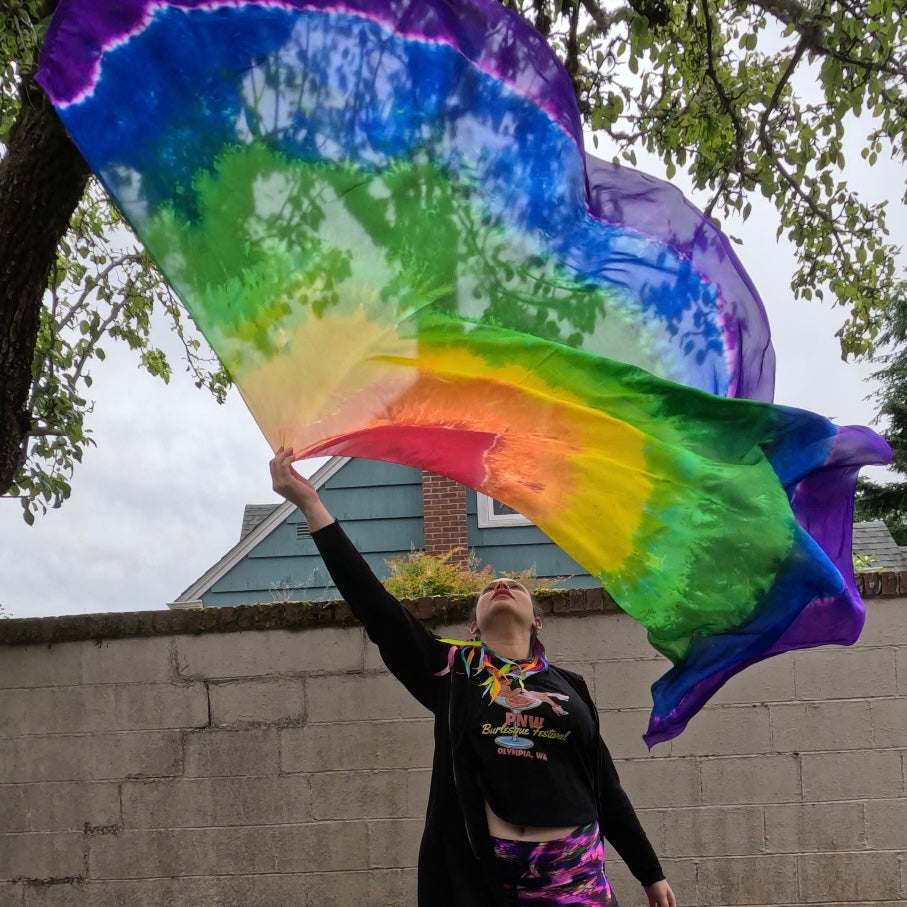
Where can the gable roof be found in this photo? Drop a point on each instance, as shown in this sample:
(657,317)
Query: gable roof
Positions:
(872,539)
(251,536)
(253,515)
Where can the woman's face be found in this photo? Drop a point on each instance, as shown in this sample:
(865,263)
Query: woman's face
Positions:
(506,599)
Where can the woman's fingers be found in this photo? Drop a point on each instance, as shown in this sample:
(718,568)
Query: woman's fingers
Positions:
(283,475)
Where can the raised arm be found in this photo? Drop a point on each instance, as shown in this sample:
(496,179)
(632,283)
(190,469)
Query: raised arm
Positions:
(412,654)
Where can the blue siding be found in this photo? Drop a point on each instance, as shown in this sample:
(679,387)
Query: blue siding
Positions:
(512,549)
(380,506)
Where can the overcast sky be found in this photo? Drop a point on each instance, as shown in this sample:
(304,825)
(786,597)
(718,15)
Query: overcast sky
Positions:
(161,497)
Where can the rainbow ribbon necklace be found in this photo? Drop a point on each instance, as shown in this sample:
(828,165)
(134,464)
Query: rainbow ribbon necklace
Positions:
(478,658)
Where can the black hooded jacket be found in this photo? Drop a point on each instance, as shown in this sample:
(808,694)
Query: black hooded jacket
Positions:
(456,861)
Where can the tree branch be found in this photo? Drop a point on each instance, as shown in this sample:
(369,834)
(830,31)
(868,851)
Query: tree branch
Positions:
(606,21)
(809,28)
(66,321)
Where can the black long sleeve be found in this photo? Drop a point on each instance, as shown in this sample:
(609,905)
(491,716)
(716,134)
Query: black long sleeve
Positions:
(410,651)
(621,825)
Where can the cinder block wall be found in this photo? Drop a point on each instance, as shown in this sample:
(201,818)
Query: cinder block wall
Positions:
(261,756)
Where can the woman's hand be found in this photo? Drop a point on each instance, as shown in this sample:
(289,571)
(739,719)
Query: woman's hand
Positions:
(297,490)
(660,894)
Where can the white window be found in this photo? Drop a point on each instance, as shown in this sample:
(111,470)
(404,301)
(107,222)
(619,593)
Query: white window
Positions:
(492,513)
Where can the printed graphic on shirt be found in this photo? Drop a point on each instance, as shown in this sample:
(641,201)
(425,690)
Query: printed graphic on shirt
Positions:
(520,729)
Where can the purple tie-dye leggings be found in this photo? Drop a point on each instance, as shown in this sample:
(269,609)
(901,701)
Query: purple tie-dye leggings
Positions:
(567,871)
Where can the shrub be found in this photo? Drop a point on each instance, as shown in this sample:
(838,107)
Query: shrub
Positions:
(417,574)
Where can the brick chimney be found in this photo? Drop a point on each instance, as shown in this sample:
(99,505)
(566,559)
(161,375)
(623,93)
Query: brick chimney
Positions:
(444,510)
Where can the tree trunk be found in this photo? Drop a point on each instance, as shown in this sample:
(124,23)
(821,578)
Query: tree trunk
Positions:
(42,179)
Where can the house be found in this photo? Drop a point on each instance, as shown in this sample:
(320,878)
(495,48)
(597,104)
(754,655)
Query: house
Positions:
(387,510)
(874,548)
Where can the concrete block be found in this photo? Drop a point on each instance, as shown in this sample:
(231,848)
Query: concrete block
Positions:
(586,670)
(372,888)
(901,667)
(418,783)
(238,851)
(357,745)
(771,680)
(136,754)
(852,776)
(404,744)
(886,824)
(372,662)
(889,722)
(725,731)
(653,823)
(12,894)
(750,779)
(294,794)
(626,684)
(394,843)
(56,710)
(660,783)
(145,659)
(61,757)
(409,879)
(41,665)
(681,875)
(257,654)
(41,856)
(50,807)
(585,639)
(209,802)
(214,752)
(371,657)
(625,888)
(747,880)
(12,809)
(152,854)
(834,672)
(257,702)
(161,705)
(810,726)
(358,697)
(814,827)
(359,795)
(886,622)
(712,831)
(622,732)
(849,876)
(86,893)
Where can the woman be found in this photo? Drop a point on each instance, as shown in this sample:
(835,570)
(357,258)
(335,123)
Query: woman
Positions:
(522,786)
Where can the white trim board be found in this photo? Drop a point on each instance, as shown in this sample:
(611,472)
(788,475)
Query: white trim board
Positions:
(191,597)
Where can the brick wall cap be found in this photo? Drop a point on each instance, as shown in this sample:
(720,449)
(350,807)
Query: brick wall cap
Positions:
(433,611)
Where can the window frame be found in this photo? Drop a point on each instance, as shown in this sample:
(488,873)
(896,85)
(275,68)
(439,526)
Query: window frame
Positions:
(488,519)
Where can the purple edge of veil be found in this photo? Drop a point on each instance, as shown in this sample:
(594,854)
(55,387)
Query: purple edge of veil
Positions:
(78,27)
(823,504)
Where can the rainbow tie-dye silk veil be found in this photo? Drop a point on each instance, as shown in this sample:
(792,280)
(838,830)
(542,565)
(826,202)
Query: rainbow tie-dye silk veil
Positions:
(380,215)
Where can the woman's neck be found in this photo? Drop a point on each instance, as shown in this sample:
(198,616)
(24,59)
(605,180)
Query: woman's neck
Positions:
(514,644)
